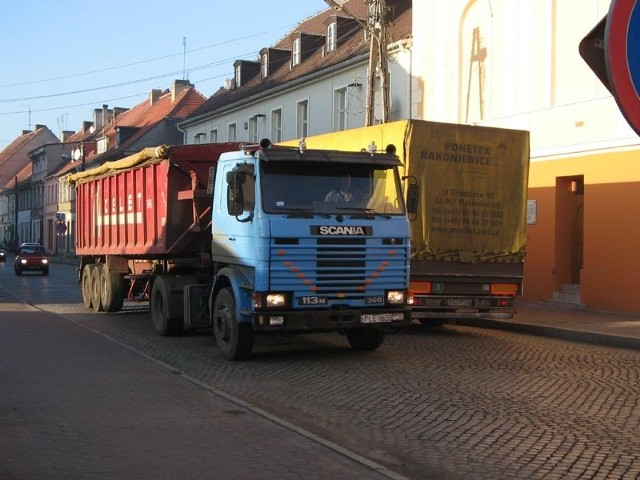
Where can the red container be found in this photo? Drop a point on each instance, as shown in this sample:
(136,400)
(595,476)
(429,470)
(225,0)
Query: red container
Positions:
(159,208)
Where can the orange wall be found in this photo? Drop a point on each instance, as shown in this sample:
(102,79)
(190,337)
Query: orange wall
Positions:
(610,276)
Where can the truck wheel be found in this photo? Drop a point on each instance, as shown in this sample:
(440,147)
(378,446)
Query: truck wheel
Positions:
(163,322)
(365,338)
(111,291)
(96,303)
(86,285)
(235,340)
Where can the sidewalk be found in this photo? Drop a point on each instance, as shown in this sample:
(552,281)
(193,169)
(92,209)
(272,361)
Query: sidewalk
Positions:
(587,326)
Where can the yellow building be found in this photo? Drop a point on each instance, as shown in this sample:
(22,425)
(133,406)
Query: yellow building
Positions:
(515,64)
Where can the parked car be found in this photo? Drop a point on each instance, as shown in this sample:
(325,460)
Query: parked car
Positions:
(31,257)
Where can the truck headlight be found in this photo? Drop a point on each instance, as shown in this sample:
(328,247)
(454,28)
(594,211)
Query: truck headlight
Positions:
(396,297)
(270,300)
(275,300)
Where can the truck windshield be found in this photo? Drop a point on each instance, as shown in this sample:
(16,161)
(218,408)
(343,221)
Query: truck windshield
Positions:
(289,187)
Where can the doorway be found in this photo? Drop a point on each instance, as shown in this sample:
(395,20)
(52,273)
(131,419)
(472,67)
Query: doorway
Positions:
(569,230)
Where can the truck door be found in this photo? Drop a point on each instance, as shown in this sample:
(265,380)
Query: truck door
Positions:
(232,230)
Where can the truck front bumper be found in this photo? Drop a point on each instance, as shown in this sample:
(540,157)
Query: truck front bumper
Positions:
(328,320)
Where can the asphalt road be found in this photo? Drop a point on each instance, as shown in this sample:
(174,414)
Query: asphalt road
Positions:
(454,402)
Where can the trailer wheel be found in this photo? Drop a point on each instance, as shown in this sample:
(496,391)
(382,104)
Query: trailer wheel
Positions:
(235,340)
(96,302)
(163,322)
(111,291)
(364,339)
(86,285)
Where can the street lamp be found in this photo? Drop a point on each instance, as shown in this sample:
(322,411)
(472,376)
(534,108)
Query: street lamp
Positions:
(378,55)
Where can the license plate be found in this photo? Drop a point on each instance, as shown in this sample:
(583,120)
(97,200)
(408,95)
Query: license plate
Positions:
(381,317)
(458,302)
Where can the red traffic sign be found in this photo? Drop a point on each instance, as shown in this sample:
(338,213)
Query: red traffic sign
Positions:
(612,50)
(622,51)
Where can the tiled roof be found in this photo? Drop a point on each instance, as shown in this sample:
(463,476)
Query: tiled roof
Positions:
(351,44)
(16,155)
(145,116)
(141,120)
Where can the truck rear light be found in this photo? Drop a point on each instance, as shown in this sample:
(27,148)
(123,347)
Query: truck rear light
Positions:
(503,302)
(420,287)
(504,289)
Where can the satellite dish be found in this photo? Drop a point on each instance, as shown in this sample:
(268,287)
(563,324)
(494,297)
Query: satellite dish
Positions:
(76,154)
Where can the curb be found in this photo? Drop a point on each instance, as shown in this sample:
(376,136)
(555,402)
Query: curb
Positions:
(554,332)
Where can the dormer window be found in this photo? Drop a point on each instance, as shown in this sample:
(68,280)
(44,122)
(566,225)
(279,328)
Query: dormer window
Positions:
(264,65)
(331,37)
(237,76)
(296,53)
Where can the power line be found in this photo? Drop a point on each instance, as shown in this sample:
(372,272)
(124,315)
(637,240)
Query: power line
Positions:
(132,64)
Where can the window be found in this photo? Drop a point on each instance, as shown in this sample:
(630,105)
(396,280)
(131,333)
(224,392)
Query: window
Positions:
(276,126)
(331,37)
(231,132)
(340,109)
(237,76)
(303,119)
(253,130)
(213,135)
(199,138)
(296,55)
(102,145)
(264,65)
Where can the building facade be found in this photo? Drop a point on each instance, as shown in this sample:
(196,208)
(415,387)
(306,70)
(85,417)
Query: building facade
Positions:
(313,81)
(516,65)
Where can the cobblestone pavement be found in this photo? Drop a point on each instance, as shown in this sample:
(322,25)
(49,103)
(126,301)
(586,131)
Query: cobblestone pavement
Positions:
(454,402)
(76,406)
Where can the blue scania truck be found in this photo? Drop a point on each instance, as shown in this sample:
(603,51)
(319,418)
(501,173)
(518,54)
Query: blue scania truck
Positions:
(251,241)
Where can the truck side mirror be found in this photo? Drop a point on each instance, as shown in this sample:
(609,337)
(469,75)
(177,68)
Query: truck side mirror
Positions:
(413,198)
(235,199)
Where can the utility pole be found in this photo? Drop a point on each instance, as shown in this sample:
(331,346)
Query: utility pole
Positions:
(378,56)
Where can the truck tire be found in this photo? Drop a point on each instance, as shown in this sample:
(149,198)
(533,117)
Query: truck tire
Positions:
(111,291)
(235,340)
(165,320)
(364,339)
(96,302)
(85,285)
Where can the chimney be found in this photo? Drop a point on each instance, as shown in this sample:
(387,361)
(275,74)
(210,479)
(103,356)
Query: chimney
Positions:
(26,132)
(106,115)
(117,111)
(178,87)
(86,126)
(64,136)
(154,95)
(97,118)
(38,127)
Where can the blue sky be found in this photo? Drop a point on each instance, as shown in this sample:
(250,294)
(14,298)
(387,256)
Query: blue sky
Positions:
(60,60)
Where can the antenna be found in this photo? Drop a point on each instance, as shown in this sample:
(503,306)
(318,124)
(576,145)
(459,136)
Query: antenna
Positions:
(184,57)
(29,107)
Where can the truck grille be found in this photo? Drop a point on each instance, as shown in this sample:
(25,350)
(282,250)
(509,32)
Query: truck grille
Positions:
(336,268)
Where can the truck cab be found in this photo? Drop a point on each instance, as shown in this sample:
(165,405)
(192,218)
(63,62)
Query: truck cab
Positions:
(307,241)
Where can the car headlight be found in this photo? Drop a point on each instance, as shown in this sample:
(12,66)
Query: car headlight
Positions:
(23,261)
(396,297)
(45,261)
